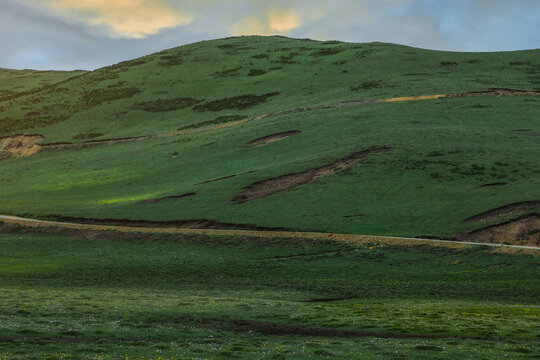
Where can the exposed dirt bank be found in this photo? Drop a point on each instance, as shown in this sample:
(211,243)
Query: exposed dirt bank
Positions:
(272,138)
(524,230)
(272,186)
(19,145)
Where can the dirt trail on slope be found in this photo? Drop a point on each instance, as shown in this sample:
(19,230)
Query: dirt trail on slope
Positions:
(489,92)
(372,240)
(272,186)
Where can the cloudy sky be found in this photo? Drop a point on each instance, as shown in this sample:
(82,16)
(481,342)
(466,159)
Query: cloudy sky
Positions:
(87,34)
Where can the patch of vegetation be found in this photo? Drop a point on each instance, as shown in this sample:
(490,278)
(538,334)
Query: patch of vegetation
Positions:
(519,63)
(88,136)
(261,56)
(326,52)
(173,58)
(99,96)
(367,85)
(256,72)
(228,72)
(448,63)
(286,59)
(124,65)
(216,121)
(237,102)
(164,105)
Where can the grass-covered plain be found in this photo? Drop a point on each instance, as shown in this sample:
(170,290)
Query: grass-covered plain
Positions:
(211,297)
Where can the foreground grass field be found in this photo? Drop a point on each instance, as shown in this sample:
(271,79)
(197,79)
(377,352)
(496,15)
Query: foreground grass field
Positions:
(97,297)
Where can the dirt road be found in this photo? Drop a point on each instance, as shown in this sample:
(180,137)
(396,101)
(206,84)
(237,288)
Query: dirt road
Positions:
(350,238)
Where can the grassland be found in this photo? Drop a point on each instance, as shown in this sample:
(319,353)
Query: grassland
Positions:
(276,133)
(97,297)
(445,160)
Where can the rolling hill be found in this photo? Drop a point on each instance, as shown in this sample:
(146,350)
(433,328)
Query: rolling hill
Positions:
(278,133)
(183,187)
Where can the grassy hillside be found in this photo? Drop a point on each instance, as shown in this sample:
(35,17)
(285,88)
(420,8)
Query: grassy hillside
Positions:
(95,296)
(18,83)
(421,168)
(157,93)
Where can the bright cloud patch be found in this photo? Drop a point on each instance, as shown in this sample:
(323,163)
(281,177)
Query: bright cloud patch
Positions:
(276,22)
(126,18)
(283,21)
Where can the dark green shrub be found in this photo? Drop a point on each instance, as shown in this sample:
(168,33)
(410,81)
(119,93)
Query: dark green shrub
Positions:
(326,52)
(162,105)
(256,72)
(238,102)
(216,121)
(99,96)
(367,85)
(227,72)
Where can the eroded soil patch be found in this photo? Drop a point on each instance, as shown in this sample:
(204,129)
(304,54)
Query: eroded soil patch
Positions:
(19,145)
(272,186)
(272,138)
(504,211)
(524,230)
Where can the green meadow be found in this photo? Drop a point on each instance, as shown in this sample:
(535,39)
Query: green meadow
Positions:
(218,298)
(251,133)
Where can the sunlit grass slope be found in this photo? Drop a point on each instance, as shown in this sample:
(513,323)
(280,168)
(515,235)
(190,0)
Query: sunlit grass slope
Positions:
(436,167)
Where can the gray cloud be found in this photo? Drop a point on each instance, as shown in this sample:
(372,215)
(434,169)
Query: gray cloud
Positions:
(63,34)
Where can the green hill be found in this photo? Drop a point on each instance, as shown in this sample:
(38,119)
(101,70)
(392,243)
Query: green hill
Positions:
(193,142)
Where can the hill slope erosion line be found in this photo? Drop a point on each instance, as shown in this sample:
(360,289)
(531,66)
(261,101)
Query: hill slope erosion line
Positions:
(269,187)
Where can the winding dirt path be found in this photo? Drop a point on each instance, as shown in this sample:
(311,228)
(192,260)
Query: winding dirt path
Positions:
(350,238)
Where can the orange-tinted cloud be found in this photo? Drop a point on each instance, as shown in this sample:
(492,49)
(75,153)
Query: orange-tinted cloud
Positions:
(125,18)
(283,21)
(276,22)
(250,26)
